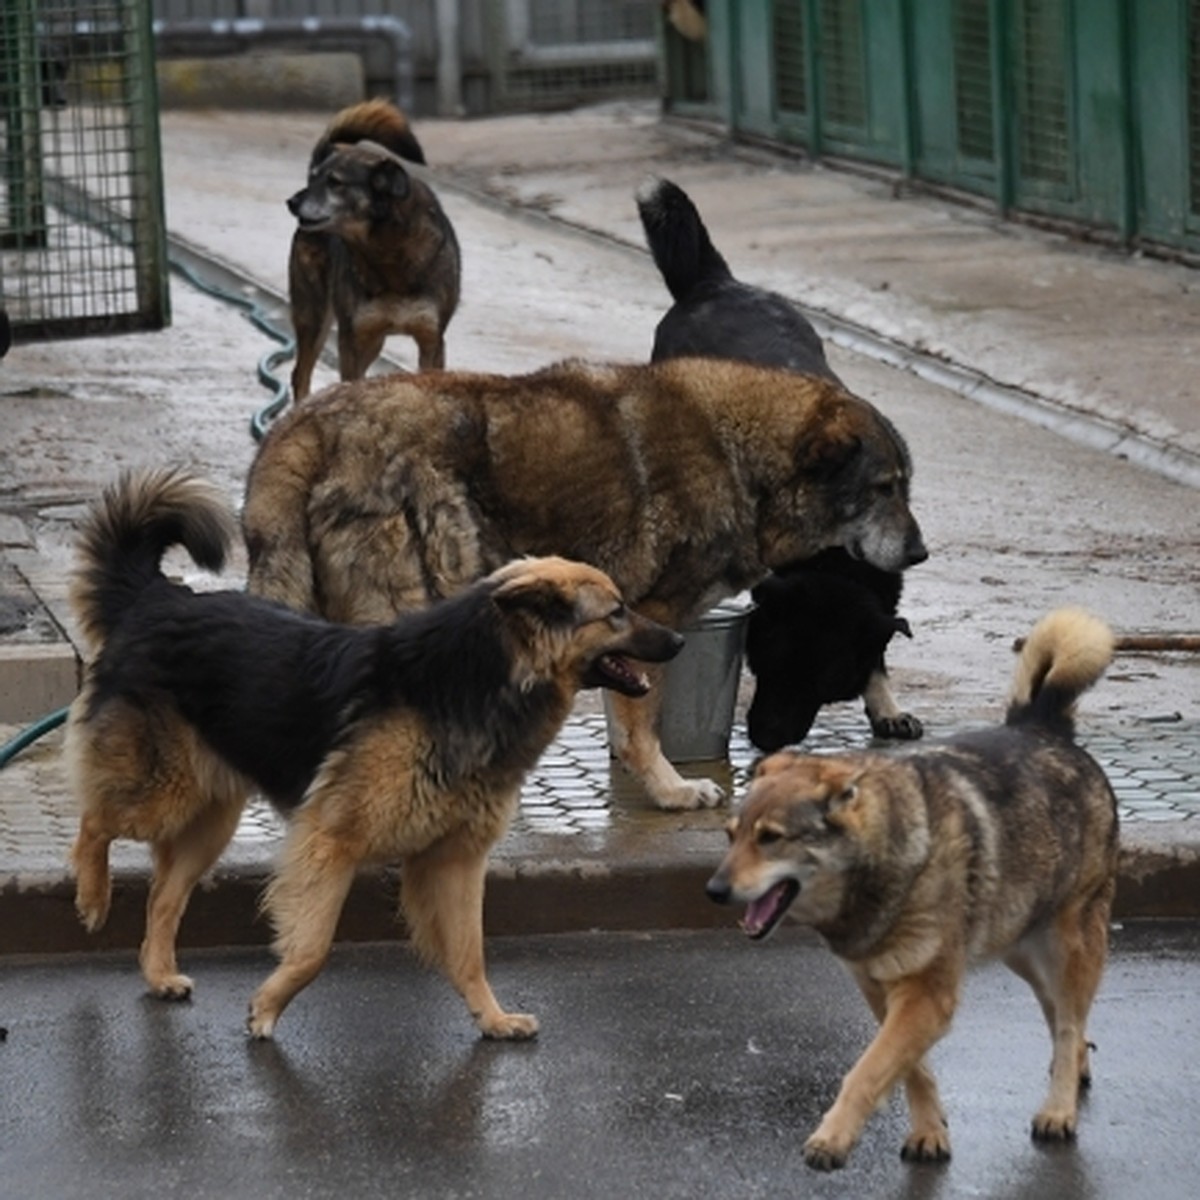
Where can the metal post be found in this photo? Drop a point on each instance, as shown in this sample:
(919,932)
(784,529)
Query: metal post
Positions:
(813,70)
(449,62)
(148,222)
(21,92)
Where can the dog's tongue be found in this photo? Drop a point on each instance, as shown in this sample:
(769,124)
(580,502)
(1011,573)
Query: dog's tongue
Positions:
(763,914)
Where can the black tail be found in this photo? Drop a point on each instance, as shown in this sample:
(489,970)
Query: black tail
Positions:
(682,249)
(124,537)
(1066,653)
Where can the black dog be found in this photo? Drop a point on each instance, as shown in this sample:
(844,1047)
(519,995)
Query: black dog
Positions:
(818,634)
(820,628)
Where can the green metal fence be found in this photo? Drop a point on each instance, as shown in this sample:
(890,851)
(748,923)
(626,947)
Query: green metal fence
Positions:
(1083,110)
(82,232)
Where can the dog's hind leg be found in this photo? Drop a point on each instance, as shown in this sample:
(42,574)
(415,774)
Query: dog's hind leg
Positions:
(180,862)
(1063,964)
(304,901)
(442,896)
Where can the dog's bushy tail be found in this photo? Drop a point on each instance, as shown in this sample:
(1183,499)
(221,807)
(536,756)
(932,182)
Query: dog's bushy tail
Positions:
(124,537)
(372,121)
(682,249)
(1067,651)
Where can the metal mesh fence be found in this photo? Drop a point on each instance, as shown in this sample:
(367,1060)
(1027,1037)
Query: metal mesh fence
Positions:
(82,239)
(973,78)
(553,52)
(1043,145)
(791,74)
(844,92)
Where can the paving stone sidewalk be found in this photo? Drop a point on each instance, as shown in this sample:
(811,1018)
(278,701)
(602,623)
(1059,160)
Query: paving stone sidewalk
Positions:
(581,819)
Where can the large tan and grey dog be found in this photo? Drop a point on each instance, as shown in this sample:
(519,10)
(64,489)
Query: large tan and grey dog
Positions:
(404,742)
(998,843)
(373,251)
(686,481)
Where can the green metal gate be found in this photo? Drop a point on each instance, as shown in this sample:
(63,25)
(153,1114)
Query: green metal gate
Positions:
(1082,110)
(954,50)
(1165,36)
(82,231)
(831,82)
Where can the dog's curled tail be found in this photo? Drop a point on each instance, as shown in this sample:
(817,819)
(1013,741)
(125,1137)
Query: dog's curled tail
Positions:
(1067,651)
(678,240)
(371,121)
(124,537)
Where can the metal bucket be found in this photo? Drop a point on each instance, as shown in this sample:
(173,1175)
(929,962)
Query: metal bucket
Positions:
(701,685)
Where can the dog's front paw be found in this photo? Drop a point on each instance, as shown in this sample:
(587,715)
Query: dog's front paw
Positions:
(260,1023)
(171,987)
(823,1154)
(510,1027)
(690,794)
(92,914)
(930,1145)
(903,727)
(1051,1125)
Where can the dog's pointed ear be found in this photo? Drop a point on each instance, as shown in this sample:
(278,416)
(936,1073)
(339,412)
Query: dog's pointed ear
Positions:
(537,597)
(841,805)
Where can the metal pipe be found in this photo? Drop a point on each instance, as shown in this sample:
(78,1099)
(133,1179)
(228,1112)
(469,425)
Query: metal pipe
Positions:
(185,36)
(449,60)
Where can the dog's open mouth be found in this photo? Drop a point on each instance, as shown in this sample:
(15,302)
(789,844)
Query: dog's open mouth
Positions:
(763,914)
(615,672)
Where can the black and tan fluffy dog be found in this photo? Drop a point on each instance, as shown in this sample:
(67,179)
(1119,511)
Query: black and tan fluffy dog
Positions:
(998,843)
(406,742)
(685,481)
(820,626)
(373,251)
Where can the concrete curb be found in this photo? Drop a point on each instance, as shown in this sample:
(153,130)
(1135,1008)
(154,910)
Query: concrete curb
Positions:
(565,895)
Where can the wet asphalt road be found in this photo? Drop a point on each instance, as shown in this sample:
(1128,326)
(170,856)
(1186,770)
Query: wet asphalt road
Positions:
(687,1065)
